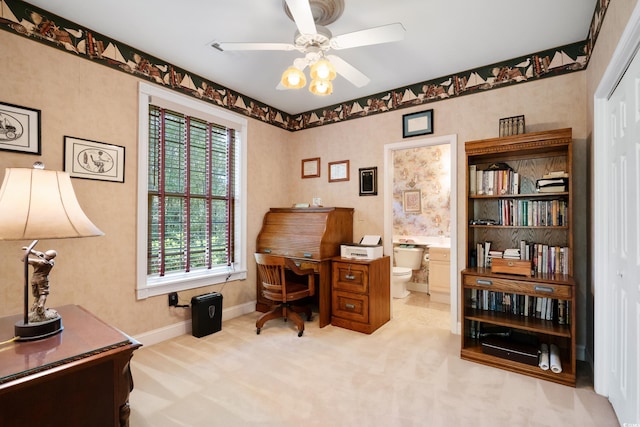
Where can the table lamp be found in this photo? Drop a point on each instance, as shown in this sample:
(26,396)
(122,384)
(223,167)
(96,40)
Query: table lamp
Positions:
(40,204)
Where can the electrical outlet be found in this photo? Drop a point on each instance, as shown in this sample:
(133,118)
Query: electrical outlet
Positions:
(173,299)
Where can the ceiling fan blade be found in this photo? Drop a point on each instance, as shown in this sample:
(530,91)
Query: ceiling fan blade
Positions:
(377,35)
(232,46)
(348,71)
(301,12)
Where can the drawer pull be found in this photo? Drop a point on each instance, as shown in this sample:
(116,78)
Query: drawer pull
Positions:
(350,306)
(484,282)
(267,251)
(544,289)
(307,254)
(349,277)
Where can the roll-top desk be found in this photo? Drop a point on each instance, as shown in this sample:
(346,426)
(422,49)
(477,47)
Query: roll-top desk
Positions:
(311,237)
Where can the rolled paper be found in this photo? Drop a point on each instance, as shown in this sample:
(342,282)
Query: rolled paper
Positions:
(544,357)
(554,359)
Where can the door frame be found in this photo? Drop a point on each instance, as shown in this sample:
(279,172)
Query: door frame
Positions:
(623,55)
(452,141)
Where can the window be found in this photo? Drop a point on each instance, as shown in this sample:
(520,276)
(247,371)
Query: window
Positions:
(191,187)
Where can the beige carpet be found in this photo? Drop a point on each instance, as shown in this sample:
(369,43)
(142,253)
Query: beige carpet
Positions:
(407,373)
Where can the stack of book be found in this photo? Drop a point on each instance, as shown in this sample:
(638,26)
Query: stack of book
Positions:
(553,182)
(511,254)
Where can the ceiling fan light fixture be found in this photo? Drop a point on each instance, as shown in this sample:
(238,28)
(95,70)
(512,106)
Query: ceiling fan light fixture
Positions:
(323,69)
(293,78)
(321,87)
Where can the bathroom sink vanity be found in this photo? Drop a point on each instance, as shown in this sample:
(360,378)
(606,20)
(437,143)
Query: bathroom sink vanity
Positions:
(439,273)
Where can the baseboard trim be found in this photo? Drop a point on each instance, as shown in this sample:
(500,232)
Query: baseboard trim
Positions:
(183,328)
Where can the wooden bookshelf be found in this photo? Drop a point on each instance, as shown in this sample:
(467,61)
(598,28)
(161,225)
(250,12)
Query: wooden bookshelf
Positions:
(507,303)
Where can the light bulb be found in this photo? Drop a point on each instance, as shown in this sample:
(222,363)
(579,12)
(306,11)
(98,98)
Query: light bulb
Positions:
(323,70)
(322,87)
(293,79)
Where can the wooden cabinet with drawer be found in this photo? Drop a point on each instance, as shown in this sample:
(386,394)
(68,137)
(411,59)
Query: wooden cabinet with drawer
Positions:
(361,293)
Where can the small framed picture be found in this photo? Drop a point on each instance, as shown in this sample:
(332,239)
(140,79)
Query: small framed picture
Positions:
(19,129)
(412,201)
(311,168)
(93,160)
(339,171)
(415,124)
(368,181)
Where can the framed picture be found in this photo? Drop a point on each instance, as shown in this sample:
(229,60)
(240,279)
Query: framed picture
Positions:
(412,201)
(368,181)
(339,171)
(19,129)
(93,160)
(311,167)
(415,124)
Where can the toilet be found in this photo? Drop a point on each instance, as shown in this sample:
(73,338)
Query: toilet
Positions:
(406,259)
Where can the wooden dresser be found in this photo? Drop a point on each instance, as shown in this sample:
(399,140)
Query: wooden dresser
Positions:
(79,377)
(361,293)
(311,237)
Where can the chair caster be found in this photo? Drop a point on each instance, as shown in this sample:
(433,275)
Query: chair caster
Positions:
(300,333)
(257,331)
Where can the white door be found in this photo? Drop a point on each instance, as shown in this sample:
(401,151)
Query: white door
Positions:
(623,243)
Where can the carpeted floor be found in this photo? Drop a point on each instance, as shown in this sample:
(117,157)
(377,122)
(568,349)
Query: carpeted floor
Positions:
(407,373)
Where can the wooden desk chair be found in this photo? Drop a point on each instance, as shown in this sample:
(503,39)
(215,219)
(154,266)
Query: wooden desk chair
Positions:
(275,287)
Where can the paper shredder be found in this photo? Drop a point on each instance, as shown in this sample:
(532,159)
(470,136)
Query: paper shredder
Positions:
(206,314)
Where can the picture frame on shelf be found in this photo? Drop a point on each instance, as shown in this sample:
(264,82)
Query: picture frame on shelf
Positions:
(412,201)
(420,123)
(368,181)
(19,129)
(311,167)
(339,171)
(88,159)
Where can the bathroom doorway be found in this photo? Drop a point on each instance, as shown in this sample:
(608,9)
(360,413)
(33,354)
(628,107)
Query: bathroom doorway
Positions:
(389,152)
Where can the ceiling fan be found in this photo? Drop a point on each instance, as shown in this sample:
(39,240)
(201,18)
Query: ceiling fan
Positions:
(314,40)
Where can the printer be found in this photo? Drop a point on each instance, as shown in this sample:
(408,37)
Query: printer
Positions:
(369,247)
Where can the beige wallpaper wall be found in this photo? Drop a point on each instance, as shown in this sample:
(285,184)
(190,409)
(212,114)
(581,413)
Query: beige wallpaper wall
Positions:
(85,100)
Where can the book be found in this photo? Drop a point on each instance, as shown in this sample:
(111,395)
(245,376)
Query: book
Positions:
(556,174)
(473,174)
(479,182)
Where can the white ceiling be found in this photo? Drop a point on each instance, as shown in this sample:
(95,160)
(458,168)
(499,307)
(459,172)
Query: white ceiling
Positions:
(442,37)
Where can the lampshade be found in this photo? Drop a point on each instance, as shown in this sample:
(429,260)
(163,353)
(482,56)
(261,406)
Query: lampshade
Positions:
(293,78)
(321,87)
(322,70)
(41,204)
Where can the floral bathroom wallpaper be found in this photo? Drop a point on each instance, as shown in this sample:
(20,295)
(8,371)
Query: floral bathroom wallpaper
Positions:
(426,169)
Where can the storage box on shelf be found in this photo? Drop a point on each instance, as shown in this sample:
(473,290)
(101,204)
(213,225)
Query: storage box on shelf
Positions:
(509,216)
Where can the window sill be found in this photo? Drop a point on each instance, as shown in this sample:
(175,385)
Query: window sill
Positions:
(155,286)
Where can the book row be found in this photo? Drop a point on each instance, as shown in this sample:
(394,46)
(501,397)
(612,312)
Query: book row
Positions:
(545,308)
(493,182)
(545,259)
(533,213)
